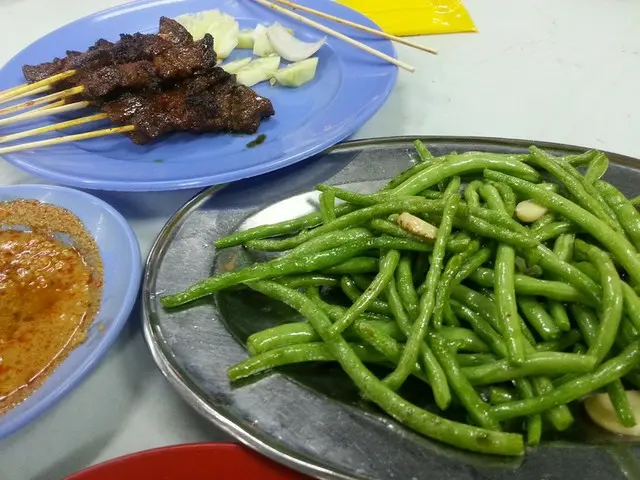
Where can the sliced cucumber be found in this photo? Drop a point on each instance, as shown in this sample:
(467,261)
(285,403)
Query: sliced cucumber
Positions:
(245,39)
(233,67)
(297,74)
(222,27)
(258,70)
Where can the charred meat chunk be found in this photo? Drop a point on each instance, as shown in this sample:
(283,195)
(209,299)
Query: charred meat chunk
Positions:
(208,103)
(130,48)
(175,63)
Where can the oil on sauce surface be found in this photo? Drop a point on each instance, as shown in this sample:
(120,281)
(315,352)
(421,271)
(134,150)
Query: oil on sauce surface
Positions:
(49,293)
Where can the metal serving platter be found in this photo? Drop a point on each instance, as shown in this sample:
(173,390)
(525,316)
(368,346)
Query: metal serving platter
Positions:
(312,418)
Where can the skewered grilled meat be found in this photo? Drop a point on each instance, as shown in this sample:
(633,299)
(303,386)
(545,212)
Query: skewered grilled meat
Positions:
(131,62)
(178,62)
(207,103)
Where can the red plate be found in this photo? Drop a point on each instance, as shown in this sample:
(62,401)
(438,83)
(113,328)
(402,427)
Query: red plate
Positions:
(196,461)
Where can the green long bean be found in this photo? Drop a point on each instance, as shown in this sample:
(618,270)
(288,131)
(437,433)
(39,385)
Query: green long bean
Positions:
(612,303)
(543,363)
(597,168)
(463,164)
(447,279)
(464,339)
(574,389)
(573,185)
(351,290)
(626,213)
(284,266)
(353,266)
(526,285)
(506,306)
(281,228)
(327,207)
(447,431)
(617,244)
(465,392)
(406,288)
(436,376)
(563,248)
(471,195)
(386,346)
(534,422)
(419,328)
(352,219)
(291,354)
(388,266)
(538,318)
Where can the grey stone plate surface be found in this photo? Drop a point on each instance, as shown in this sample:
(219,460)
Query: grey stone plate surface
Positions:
(312,418)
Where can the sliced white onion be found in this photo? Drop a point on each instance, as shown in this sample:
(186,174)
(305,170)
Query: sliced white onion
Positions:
(601,412)
(417,226)
(297,74)
(261,45)
(529,211)
(289,47)
(258,70)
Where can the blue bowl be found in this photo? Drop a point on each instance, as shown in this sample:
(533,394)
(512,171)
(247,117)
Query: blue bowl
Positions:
(122,270)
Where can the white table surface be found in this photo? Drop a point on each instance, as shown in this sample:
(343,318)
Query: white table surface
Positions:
(555,70)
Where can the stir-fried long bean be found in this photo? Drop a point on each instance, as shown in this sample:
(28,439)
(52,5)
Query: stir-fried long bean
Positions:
(421,325)
(505,294)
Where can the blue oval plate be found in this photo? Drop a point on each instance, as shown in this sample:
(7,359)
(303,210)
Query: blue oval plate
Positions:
(349,87)
(122,270)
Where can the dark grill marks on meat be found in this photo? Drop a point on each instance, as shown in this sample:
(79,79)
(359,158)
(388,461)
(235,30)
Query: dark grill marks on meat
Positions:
(172,31)
(130,48)
(209,103)
(175,63)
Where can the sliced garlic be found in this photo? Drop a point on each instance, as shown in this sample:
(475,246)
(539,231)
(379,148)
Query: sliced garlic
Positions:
(417,226)
(529,211)
(602,413)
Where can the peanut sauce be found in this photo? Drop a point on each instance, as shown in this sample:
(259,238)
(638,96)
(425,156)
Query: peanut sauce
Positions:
(50,292)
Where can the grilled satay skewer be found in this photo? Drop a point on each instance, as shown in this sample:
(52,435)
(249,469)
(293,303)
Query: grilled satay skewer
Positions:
(208,103)
(135,61)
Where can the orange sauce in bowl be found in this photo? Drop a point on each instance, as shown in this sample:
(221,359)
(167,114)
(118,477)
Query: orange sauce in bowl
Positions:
(49,293)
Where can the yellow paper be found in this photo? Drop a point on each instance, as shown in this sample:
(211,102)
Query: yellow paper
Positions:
(415,17)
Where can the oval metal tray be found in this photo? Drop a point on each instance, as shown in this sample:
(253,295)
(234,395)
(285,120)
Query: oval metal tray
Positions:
(314,421)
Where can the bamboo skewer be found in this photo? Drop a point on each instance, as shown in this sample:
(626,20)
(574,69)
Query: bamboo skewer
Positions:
(336,34)
(51,105)
(41,112)
(357,26)
(67,139)
(37,91)
(54,127)
(39,101)
(20,90)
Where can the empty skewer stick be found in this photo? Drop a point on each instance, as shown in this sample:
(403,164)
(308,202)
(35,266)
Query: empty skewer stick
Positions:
(39,101)
(30,93)
(20,90)
(53,127)
(41,112)
(59,103)
(336,34)
(67,139)
(357,26)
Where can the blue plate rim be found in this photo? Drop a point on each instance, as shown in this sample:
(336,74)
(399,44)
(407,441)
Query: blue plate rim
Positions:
(108,336)
(340,134)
